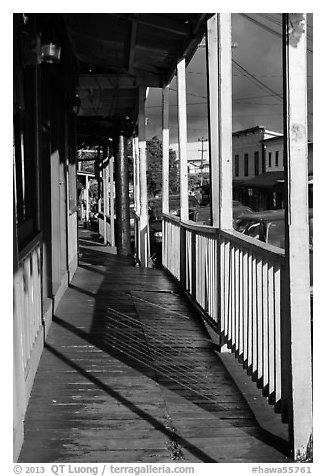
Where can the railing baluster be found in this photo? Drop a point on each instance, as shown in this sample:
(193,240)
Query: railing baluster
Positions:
(241,278)
(277,310)
(271,334)
(245,307)
(232,298)
(226,281)
(259,322)
(254,319)
(265,340)
(250,315)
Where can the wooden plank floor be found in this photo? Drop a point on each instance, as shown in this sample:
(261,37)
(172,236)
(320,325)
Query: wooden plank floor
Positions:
(129,374)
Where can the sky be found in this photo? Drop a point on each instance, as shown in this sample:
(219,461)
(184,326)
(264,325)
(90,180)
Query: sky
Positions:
(256,81)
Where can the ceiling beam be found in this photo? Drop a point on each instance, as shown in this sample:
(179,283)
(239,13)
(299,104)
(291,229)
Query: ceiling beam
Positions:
(132,46)
(159,22)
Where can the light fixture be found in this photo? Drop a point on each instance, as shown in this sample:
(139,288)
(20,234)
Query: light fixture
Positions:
(51,38)
(76,104)
(51,53)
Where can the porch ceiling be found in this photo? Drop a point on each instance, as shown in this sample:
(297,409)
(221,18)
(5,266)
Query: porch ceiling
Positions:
(117,53)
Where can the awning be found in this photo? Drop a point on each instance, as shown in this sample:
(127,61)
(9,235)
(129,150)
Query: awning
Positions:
(267,180)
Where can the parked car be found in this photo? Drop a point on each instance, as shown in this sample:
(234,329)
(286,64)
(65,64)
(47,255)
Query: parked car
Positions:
(266,226)
(155,206)
(203,214)
(269,227)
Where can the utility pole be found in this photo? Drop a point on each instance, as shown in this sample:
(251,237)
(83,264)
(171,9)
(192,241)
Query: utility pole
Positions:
(202,150)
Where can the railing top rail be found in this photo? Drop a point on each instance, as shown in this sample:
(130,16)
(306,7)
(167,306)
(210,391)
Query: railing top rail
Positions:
(202,229)
(249,243)
(171,218)
(254,245)
(34,242)
(191,225)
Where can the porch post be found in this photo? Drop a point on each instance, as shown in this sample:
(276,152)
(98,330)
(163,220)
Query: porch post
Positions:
(136,194)
(183,165)
(298,337)
(143,218)
(136,172)
(105,194)
(213,110)
(87,199)
(182,130)
(165,145)
(122,199)
(219,65)
(112,198)
(99,179)
(225,126)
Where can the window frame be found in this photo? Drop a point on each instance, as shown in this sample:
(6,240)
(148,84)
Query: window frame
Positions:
(246,165)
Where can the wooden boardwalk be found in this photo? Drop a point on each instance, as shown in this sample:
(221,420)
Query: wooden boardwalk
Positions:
(129,374)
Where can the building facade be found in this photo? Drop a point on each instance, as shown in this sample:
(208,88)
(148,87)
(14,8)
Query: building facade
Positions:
(248,152)
(274,154)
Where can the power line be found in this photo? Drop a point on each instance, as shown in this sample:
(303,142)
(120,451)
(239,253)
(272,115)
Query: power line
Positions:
(256,80)
(267,28)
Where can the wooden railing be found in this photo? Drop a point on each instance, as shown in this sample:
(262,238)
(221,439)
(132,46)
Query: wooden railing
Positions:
(137,234)
(237,282)
(171,244)
(27,298)
(107,223)
(72,233)
(251,306)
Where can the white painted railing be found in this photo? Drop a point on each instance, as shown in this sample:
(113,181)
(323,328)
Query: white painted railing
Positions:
(171,244)
(201,266)
(251,306)
(109,231)
(137,234)
(237,282)
(72,233)
(27,298)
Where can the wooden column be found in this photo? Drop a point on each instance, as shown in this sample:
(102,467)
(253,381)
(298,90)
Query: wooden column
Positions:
(182,129)
(143,222)
(87,198)
(99,180)
(105,200)
(165,145)
(122,199)
(136,171)
(136,193)
(105,205)
(219,74)
(298,338)
(225,114)
(213,117)
(112,198)
(219,64)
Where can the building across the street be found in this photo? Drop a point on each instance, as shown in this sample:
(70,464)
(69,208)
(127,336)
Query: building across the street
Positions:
(258,166)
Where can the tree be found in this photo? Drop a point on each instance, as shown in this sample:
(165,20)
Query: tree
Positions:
(93,189)
(154,168)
